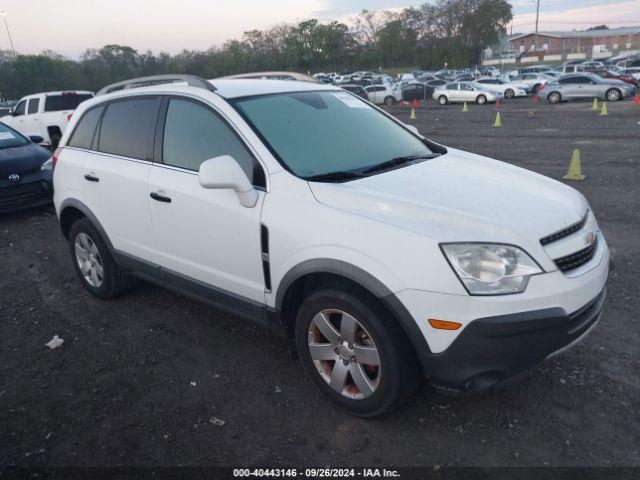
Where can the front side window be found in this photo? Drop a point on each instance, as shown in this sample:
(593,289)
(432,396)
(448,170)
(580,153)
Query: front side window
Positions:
(328,132)
(20,109)
(193,133)
(127,125)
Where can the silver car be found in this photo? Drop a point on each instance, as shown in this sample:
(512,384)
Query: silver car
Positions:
(465,92)
(586,85)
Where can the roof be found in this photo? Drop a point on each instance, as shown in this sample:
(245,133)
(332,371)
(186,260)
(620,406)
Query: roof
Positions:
(234,88)
(611,32)
(275,76)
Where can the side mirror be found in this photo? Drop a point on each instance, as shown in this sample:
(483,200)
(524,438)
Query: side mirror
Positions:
(223,172)
(12,111)
(36,139)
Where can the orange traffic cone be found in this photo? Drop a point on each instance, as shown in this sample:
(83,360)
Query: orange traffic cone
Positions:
(636,99)
(535,98)
(415,103)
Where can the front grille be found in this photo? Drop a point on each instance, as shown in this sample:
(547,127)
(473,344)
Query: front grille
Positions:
(577,259)
(565,232)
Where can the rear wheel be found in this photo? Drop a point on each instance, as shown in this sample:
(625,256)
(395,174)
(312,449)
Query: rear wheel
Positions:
(554,97)
(388,101)
(94,263)
(613,95)
(508,93)
(481,100)
(442,100)
(354,352)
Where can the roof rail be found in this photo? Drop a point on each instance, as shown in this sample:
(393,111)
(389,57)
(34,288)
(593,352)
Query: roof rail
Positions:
(191,80)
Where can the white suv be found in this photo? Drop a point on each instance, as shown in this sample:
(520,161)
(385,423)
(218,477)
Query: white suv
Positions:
(386,255)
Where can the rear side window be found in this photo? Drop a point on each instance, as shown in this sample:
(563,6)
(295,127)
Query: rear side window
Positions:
(86,128)
(193,134)
(127,125)
(34,103)
(70,101)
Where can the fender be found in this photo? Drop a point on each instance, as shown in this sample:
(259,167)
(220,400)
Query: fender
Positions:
(72,202)
(365,280)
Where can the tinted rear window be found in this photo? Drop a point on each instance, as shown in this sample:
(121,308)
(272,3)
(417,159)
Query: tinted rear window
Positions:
(83,134)
(126,127)
(55,103)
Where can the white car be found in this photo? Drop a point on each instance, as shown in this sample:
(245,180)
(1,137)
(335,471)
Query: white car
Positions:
(45,115)
(470,92)
(533,80)
(381,94)
(633,71)
(385,255)
(507,89)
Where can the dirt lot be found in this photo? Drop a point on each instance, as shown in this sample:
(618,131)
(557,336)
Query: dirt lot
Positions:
(142,380)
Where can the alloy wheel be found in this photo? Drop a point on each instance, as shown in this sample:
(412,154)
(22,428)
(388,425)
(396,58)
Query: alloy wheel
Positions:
(89,260)
(344,354)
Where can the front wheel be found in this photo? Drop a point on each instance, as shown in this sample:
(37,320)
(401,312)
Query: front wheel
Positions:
(614,95)
(554,97)
(442,100)
(481,100)
(354,352)
(388,101)
(508,93)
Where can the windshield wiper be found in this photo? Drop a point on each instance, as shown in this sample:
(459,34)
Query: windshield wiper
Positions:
(395,162)
(334,176)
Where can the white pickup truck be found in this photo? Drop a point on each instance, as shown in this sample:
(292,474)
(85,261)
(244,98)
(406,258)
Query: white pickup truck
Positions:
(43,117)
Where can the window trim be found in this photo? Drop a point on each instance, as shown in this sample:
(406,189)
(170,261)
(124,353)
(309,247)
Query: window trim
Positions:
(36,101)
(260,183)
(149,158)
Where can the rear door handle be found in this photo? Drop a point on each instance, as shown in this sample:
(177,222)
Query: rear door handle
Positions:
(91,178)
(160,198)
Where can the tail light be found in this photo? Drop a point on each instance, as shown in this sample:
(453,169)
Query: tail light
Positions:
(55,156)
(69,117)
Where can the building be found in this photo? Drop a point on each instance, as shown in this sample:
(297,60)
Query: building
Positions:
(593,43)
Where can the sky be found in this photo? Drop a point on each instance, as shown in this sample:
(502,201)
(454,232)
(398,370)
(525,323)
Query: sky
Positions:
(70,27)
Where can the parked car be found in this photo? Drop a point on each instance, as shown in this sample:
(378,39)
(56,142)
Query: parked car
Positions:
(357,89)
(457,92)
(300,77)
(45,115)
(507,89)
(25,171)
(381,94)
(569,68)
(533,80)
(385,255)
(586,85)
(623,77)
(415,91)
(633,71)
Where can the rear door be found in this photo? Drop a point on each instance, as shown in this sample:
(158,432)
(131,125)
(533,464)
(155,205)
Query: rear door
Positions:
(116,170)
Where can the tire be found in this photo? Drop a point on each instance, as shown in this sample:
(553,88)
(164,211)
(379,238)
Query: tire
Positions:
(89,249)
(613,95)
(554,97)
(388,384)
(481,99)
(389,100)
(443,100)
(509,93)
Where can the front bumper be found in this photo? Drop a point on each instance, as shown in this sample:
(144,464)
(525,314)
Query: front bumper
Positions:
(491,350)
(33,190)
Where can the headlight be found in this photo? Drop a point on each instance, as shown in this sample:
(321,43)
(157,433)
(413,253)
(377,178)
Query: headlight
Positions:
(48,165)
(491,268)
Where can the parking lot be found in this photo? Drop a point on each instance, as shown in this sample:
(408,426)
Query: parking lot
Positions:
(152,378)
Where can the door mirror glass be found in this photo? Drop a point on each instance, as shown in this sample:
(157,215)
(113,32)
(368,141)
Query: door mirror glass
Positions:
(223,172)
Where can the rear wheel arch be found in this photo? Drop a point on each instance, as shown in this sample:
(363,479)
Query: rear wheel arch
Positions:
(72,210)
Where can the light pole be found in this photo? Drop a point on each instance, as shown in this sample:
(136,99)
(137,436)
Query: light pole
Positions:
(4,15)
(535,48)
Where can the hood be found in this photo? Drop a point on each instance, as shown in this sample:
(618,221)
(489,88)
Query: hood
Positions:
(461,197)
(22,160)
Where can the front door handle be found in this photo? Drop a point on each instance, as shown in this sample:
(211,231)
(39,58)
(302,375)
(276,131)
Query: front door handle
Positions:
(91,178)
(160,198)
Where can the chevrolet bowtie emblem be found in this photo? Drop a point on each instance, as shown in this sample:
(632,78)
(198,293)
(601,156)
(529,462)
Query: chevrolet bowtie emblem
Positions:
(590,238)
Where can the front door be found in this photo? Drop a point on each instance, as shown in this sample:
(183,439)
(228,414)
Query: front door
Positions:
(204,234)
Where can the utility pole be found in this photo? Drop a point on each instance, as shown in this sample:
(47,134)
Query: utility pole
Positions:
(535,41)
(4,15)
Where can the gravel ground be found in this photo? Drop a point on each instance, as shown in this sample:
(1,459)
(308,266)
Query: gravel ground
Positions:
(155,379)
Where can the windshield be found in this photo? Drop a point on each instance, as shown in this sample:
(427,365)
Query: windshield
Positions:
(318,133)
(9,138)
